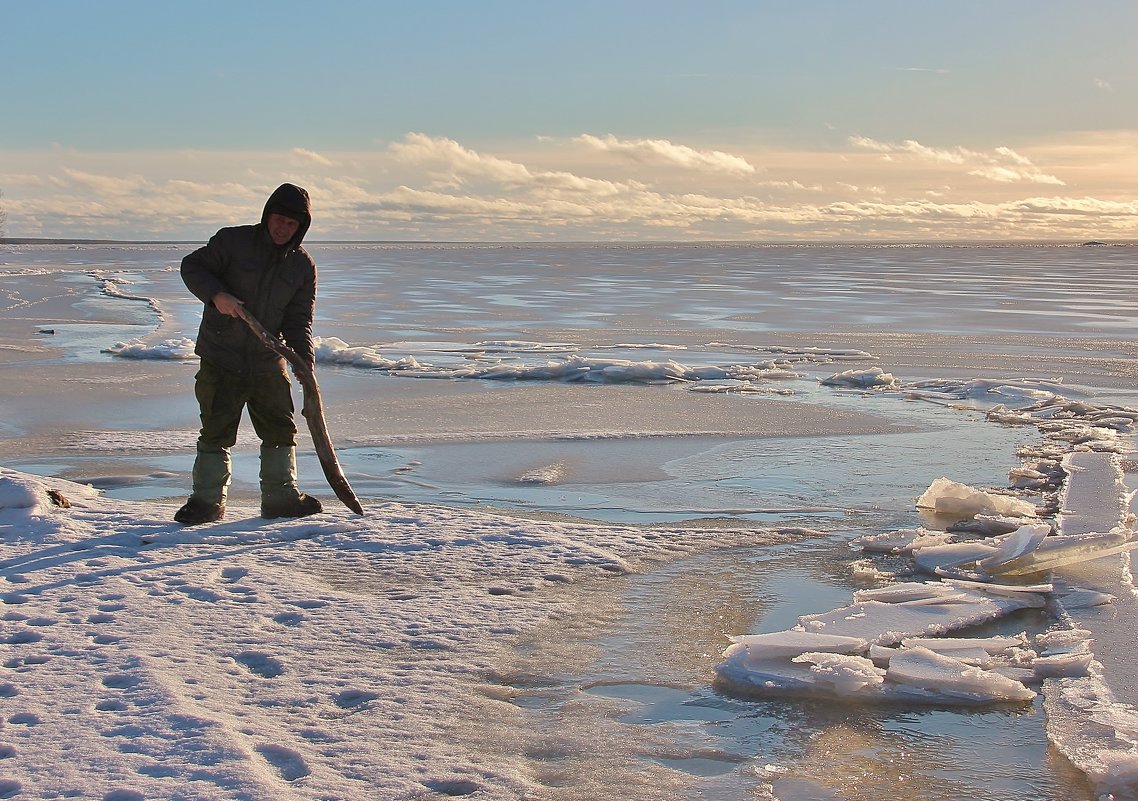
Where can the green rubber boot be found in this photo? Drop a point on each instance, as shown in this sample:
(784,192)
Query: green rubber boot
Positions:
(280,496)
(206,504)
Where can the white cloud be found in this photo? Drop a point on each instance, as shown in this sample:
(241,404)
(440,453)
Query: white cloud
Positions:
(1002,164)
(665,152)
(1012,175)
(458,161)
(299,154)
(427,187)
(106,184)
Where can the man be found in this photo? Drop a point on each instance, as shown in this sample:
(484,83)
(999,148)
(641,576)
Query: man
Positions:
(263,268)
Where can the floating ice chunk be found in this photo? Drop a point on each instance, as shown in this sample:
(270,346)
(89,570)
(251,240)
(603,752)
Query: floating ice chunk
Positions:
(1059,550)
(1062,665)
(174,349)
(986,525)
(842,674)
(933,676)
(765,677)
(905,591)
(989,645)
(1023,541)
(951,498)
(1085,599)
(902,541)
(791,643)
(941,558)
(887,623)
(1025,591)
(870,377)
(866,571)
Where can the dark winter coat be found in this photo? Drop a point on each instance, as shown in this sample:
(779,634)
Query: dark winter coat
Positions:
(276,283)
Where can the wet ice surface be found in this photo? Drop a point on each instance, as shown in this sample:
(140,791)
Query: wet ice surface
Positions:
(660,710)
(642,714)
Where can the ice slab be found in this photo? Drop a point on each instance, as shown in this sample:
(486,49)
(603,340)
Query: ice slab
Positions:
(1092,499)
(920,671)
(1062,550)
(938,613)
(952,498)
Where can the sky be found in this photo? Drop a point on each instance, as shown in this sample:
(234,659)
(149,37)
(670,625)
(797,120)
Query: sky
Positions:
(639,120)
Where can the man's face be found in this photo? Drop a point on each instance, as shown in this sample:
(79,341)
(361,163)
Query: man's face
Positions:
(282,228)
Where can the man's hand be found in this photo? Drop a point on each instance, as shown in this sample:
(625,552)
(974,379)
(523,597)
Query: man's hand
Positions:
(226,304)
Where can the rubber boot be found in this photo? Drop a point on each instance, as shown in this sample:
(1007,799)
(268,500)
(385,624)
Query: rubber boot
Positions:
(279,494)
(206,504)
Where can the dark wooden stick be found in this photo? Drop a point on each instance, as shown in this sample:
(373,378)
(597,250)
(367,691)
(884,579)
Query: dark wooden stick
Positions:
(313,411)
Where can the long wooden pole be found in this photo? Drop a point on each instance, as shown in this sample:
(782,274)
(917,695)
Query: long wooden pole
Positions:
(313,411)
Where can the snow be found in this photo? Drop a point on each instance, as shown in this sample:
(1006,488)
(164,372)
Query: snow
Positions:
(328,657)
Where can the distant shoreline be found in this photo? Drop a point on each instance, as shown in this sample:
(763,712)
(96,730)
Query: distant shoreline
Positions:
(608,243)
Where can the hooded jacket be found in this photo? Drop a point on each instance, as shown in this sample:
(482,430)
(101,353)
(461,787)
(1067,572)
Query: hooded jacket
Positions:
(277,284)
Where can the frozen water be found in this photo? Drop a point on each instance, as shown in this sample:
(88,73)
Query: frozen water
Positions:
(760,406)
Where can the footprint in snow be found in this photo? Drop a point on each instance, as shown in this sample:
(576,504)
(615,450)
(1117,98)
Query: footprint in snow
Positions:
(119,681)
(124,795)
(260,664)
(199,593)
(22,638)
(286,762)
(232,574)
(350,699)
(454,787)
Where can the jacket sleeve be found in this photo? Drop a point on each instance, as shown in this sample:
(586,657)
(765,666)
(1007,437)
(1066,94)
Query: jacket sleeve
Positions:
(296,326)
(202,268)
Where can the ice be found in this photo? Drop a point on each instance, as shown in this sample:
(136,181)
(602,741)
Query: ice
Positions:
(1025,540)
(791,643)
(901,541)
(871,377)
(394,620)
(926,673)
(1057,551)
(948,497)
(178,349)
(886,623)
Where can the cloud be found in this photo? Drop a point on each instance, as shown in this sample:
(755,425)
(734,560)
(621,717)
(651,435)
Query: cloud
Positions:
(955,155)
(299,154)
(458,161)
(106,184)
(664,152)
(1011,175)
(437,188)
(1002,164)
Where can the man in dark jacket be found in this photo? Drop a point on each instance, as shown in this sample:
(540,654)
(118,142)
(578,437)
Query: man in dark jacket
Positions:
(264,268)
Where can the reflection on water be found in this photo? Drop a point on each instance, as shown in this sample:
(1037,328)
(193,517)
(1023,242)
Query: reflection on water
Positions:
(648,675)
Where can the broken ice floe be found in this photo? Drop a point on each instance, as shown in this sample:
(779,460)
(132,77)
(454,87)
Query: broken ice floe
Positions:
(891,644)
(861,379)
(894,642)
(959,500)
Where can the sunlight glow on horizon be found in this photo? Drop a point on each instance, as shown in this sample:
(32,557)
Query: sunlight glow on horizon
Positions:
(735,121)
